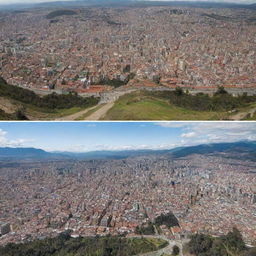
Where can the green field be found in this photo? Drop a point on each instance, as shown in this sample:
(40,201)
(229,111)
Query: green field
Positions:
(142,106)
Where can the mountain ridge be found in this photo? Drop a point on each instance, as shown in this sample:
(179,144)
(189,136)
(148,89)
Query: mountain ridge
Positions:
(241,147)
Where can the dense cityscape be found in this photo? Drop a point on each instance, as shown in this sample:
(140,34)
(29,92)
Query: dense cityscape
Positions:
(163,183)
(207,193)
(82,48)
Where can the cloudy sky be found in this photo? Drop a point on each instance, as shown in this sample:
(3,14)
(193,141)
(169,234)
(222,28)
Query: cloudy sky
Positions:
(81,137)
(38,1)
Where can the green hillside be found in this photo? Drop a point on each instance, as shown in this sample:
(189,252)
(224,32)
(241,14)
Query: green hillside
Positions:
(231,244)
(27,100)
(177,105)
(64,245)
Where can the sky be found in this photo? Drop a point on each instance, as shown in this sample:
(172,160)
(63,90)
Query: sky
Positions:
(91,136)
(38,1)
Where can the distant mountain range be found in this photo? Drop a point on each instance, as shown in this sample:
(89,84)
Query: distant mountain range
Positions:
(27,153)
(118,3)
(244,148)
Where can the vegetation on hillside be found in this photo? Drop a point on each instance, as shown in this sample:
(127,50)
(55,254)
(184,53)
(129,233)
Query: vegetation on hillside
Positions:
(59,13)
(5,116)
(231,244)
(220,101)
(116,82)
(145,229)
(50,101)
(65,245)
(168,220)
(144,105)
(19,114)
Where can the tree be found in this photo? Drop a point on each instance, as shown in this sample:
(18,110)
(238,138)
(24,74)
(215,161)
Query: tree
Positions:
(179,91)
(221,90)
(175,250)
(156,79)
(127,68)
(20,114)
(233,241)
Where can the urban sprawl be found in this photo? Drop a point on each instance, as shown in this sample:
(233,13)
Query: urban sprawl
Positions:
(82,48)
(207,193)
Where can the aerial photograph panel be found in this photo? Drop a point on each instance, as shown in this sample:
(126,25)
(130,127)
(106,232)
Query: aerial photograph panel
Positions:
(163,189)
(127,60)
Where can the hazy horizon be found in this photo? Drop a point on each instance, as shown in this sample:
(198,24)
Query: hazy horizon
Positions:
(8,2)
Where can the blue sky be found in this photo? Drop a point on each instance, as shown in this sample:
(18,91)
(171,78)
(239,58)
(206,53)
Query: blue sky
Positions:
(38,1)
(88,136)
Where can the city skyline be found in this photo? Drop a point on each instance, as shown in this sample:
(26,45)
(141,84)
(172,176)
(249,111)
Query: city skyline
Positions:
(94,136)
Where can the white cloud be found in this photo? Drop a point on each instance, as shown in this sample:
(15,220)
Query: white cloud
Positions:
(194,133)
(90,125)
(214,132)
(188,135)
(5,142)
(172,124)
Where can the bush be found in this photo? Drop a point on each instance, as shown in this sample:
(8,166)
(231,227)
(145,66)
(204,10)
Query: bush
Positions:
(220,101)
(116,82)
(175,250)
(227,245)
(147,229)
(220,91)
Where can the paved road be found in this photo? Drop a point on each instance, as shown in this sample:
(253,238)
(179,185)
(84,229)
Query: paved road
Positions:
(168,249)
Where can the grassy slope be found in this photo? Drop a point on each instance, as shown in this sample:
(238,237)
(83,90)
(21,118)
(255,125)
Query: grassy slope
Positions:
(36,113)
(138,106)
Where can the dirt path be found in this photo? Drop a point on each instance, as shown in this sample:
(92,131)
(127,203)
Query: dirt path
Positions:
(76,115)
(242,115)
(98,114)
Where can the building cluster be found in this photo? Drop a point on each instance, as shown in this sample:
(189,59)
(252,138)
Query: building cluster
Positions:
(210,194)
(174,47)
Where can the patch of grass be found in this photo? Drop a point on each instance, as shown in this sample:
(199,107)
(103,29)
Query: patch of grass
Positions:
(36,113)
(142,106)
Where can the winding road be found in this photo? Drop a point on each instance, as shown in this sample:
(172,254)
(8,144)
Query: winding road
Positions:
(167,250)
